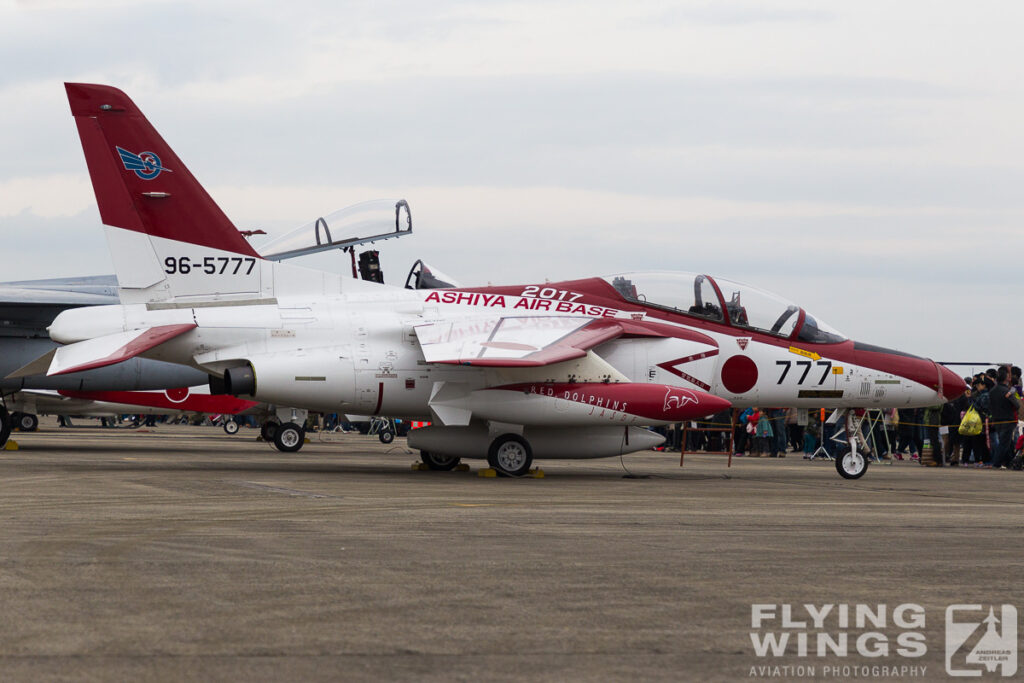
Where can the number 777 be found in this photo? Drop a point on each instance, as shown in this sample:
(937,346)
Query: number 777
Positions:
(806,365)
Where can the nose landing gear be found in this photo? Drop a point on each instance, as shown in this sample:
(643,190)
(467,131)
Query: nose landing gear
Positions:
(854,464)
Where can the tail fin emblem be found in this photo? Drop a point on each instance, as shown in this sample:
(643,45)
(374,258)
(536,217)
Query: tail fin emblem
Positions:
(146,165)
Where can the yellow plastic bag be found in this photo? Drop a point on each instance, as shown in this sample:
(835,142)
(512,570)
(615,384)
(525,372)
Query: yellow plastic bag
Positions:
(971,424)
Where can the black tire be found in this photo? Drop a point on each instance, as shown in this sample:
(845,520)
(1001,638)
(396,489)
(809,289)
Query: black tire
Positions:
(27,422)
(510,455)
(439,462)
(387,436)
(230,426)
(5,426)
(289,437)
(850,465)
(268,430)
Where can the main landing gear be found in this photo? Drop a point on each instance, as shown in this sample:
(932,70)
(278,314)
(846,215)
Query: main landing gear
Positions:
(5,426)
(268,430)
(285,429)
(439,462)
(26,422)
(510,455)
(289,437)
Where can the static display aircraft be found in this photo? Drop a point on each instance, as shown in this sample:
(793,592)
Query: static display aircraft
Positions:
(573,369)
(179,401)
(28,307)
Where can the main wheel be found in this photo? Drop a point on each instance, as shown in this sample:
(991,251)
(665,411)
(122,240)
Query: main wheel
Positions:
(851,465)
(289,437)
(439,462)
(387,436)
(230,426)
(27,422)
(268,430)
(5,426)
(510,455)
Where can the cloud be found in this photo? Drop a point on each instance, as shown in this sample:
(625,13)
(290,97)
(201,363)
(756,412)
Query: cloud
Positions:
(861,159)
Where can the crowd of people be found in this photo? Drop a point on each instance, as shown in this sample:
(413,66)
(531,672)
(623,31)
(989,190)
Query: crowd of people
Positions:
(978,428)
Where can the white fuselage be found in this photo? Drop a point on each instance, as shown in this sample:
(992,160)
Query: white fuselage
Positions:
(356,351)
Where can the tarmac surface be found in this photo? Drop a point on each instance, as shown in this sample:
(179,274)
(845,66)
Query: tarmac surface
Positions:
(182,553)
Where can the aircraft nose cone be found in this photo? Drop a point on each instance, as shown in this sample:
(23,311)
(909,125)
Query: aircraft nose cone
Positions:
(934,382)
(707,404)
(953,385)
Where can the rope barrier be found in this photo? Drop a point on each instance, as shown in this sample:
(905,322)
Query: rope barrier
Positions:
(726,425)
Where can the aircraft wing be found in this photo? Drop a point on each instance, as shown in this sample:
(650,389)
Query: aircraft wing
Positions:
(528,341)
(510,341)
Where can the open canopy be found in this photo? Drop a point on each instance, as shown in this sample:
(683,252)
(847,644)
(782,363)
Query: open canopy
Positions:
(379,219)
(724,301)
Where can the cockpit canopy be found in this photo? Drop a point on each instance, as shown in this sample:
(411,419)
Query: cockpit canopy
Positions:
(724,301)
(378,219)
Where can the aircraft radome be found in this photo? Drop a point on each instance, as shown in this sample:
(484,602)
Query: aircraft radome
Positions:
(572,369)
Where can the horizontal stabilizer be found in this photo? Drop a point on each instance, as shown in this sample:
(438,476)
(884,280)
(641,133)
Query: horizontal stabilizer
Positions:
(102,351)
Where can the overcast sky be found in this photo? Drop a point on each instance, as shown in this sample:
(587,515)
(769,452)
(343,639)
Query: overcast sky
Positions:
(862,158)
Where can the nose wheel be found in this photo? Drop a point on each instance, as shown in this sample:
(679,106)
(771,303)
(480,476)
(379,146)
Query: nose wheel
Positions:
(852,465)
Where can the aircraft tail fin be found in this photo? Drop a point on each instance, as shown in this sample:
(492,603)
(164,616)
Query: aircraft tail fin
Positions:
(167,236)
(140,183)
